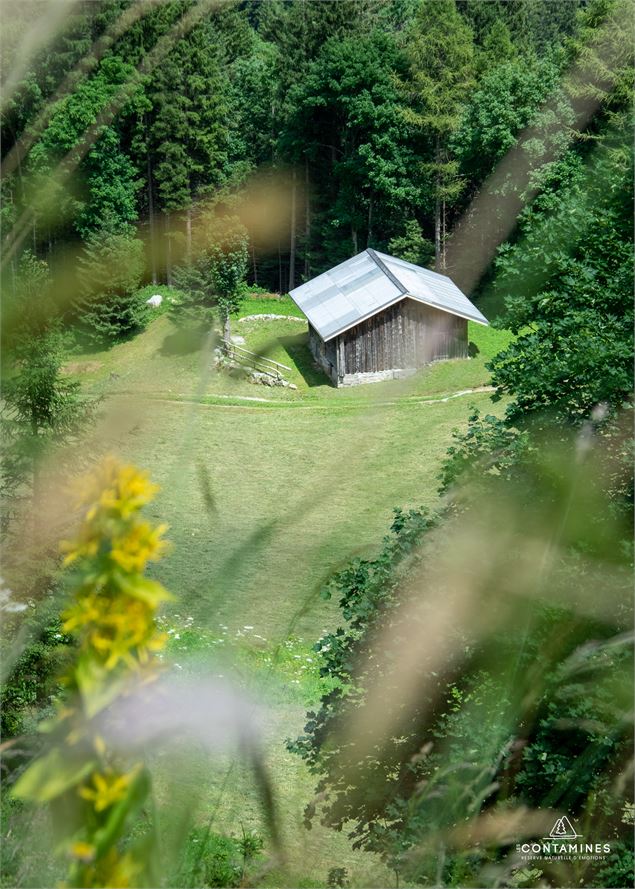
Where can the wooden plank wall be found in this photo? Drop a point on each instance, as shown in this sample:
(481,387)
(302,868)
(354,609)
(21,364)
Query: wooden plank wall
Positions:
(404,336)
(324,353)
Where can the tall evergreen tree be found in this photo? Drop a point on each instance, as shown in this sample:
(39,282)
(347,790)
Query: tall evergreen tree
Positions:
(347,120)
(440,50)
(189,128)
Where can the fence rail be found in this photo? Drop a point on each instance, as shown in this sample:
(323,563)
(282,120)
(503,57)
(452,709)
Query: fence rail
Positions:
(258,362)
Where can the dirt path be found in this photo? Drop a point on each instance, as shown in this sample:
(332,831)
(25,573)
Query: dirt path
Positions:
(245,400)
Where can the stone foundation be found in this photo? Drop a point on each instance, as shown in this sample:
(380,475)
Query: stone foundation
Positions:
(374,377)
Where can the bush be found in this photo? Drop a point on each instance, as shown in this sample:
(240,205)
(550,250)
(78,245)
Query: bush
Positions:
(256,290)
(32,682)
(110,272)
(212,859)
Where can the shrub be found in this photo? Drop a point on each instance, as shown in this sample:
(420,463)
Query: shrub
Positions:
(212,859)
(110,272)
(33,678)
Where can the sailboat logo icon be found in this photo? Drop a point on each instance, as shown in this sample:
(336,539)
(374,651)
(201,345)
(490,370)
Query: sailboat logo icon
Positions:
(563,830)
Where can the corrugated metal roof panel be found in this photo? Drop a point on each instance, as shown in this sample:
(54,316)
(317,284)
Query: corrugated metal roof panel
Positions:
(369,282)
(432,288)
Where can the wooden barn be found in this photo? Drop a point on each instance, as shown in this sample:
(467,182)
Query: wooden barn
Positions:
(375,317)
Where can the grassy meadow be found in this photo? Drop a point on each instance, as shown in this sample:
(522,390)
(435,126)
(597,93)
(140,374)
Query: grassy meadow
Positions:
(267,491)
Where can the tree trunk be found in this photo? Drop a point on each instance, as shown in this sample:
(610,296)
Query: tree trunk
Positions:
(443,263)
(188,234)
(437,210)
(307,221)
(437,234)
(369,241)
(254,264)
(36,489)
(227,329)
(168,249)
(294,187)
(151,232)
(354,237)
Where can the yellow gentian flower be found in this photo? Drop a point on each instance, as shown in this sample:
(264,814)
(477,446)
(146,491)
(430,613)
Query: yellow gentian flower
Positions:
(107,789)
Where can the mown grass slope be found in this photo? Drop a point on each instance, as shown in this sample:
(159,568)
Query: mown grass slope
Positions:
(267,491)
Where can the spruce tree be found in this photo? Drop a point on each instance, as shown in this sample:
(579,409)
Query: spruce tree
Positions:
(189,129)
(110,271)
(440,50)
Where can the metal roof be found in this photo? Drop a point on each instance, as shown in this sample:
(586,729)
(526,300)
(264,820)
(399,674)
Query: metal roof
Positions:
(369,282)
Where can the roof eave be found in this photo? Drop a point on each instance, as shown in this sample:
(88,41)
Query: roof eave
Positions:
(397,299)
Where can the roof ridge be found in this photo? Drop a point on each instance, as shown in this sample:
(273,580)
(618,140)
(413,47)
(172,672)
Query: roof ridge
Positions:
(384,268)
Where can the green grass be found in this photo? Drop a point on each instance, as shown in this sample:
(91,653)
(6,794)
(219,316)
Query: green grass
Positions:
(172,359)
(265,499)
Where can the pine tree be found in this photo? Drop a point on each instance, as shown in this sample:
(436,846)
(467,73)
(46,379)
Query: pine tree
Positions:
(440,51)
(189,129)
(348,123)
(110,271)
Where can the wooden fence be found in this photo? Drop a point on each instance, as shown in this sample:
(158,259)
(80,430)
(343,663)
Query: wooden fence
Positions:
(257,362)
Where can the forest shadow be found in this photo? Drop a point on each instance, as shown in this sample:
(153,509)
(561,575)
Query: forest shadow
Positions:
(185,340)
(298,349)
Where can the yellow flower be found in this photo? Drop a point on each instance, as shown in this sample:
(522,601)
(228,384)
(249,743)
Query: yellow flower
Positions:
(87,610)
(122,872)
(137,545)
(77,549)
(114,488)
(107,789)
(83,851)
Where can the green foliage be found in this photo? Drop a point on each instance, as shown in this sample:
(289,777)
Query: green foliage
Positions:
(32,681)
(214,860)
(579,735)
(439,48)
(228,257)
(111,185)
(38,400)
(507,100)
(497,47)
(188,130)
(107,174)
(196,284)
(41,408)
(567,285)
(411,245)
(337,876)
(490,447)
(215,275)
(350,92)
(110,271)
